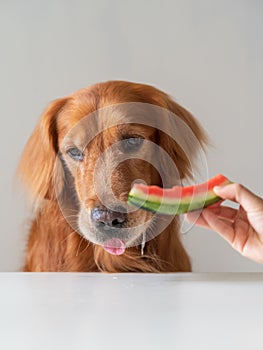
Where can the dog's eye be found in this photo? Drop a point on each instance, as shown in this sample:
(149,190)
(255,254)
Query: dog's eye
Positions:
(75,153)
(132,144)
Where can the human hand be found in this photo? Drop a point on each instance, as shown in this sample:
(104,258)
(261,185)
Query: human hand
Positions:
(243,227)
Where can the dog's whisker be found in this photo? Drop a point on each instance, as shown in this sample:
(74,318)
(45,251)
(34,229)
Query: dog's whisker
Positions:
(71,216)
(72,210)
(87,245)
(67,237)
(81,240)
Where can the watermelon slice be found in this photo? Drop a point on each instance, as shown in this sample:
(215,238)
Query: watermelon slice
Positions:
(178,199)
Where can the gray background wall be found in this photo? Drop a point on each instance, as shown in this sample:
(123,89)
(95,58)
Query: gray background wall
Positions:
(208,54)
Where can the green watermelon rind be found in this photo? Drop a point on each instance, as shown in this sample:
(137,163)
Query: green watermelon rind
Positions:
(174,208)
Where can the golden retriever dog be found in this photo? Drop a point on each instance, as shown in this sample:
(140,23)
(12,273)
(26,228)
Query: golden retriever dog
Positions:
(79,165)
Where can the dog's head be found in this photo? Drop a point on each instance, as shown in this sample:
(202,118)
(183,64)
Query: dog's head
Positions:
(90,147)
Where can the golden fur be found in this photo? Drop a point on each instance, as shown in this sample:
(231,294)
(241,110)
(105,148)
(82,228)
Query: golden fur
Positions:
(53,244)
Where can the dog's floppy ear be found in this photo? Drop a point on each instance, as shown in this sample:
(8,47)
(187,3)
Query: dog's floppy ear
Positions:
(36,167)
(186,138)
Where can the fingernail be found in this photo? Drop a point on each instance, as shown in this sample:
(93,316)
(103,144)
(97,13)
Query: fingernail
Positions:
(218,188)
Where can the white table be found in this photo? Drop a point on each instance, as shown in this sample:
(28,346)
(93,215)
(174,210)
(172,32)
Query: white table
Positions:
(70,311)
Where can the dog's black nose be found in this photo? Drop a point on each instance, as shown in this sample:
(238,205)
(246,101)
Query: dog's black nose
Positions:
(106,218)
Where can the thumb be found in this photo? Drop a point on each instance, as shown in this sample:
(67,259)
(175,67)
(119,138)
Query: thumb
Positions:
(240,194)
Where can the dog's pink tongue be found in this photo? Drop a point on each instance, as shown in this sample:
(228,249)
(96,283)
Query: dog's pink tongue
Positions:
(114,246)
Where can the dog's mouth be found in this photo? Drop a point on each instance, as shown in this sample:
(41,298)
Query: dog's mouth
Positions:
(114,231)
(114,246)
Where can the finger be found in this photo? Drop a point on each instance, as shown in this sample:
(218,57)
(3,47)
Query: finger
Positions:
(221,226)
(221,211)
(224,212)
(215,205)
(196,219)
(240,194)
